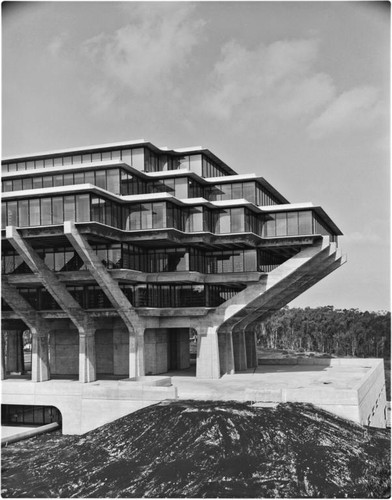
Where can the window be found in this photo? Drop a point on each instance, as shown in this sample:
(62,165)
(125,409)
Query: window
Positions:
(37,182)
(27,183)
(47,181)
(158,215)
(69,208)
(24,213)
(281,224)
(237,220)
(305,222)
(58,213)
(82,207)
(34,213)
(46,211)
(113,181)
(100,178)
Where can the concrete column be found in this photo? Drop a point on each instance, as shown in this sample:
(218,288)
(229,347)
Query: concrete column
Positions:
(87,360)
(239,349)
(140,353)
(40,371)
(3,367)
(226,355)
(15,359)
(251,350)
(207,363)
(136,353)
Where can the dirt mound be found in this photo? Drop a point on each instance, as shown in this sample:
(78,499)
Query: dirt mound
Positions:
(206,449)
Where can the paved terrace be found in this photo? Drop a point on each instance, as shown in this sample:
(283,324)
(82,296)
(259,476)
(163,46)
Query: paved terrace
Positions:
(351,388)
(267,378)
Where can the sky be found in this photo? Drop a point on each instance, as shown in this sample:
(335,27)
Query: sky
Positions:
(296,92)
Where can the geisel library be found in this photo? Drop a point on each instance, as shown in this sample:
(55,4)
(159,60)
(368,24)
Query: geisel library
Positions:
(115,256)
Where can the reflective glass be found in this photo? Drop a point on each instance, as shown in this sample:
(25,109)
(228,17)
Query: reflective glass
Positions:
(34,213)
(57,206)
(17,185)
(113,180)
(23,213)
(237,220)
(7,186)
(46,211)
(100,178)
(281,224)
(224,222)
(27,183)
(138,158)
(47,181)
(146,211)
(89,177)
(292,223)
(68,179)
(78,178)
(69,208)
(305,222)
(37,182)
(236,191)
(82,207)
(158,215)
(12,213)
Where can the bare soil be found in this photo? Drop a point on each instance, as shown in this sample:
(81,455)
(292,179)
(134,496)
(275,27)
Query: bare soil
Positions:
(205,449)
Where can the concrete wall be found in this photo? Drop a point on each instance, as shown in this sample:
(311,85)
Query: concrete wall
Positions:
(120,350)
(156,351)
(104,351)
(372,397)
(166,349)
(64,351)
(85,407)
(365,403)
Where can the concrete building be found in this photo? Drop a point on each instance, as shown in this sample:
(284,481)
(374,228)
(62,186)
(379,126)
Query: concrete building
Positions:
(114,256)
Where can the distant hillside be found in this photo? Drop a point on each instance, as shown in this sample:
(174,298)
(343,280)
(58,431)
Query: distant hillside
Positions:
(203,449)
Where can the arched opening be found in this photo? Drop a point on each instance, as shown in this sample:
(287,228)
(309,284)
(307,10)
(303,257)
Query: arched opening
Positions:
(29,415)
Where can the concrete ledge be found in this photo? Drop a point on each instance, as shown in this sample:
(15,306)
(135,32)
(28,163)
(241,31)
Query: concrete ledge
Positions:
(29,433)
(151,380)
(85,407)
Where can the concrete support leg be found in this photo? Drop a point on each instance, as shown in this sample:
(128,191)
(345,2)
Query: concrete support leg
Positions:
(40,371)
(239,348)
(226,355)
(3,367)
(207,363)
(87,360)
(15,359)
(251,351)
(140,354)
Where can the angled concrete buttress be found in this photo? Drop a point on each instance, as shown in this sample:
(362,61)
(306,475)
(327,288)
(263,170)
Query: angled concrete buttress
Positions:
(116,296)
(39,327)
(226,338)
(82,321)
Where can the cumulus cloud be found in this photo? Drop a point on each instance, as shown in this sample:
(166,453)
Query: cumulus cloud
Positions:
(278,83)
(354,109)
(150,52)
(277,79)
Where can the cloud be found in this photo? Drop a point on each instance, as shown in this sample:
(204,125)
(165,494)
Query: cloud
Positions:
(354,109)
(57,44)
(149,53)
(275,80)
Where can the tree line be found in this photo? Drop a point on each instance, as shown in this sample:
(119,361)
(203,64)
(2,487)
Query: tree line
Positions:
(341,332)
